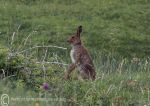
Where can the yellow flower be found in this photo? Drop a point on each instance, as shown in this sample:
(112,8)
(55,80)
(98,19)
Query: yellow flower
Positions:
(37,104)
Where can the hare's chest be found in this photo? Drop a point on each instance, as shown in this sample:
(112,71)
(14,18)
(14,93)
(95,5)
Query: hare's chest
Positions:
(72,55)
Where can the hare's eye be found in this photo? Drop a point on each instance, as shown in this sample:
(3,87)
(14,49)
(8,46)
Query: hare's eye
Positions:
(73,37)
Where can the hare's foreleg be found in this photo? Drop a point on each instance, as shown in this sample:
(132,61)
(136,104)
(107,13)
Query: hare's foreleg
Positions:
(70,69)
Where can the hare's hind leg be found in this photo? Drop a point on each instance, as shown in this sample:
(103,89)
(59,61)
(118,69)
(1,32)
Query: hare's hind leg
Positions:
(87,74)
(83,74)
(80,77)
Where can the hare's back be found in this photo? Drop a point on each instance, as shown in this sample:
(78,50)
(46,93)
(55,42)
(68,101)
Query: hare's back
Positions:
(85,57)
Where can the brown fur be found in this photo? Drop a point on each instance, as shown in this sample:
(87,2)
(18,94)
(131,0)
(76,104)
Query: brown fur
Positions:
(80,58)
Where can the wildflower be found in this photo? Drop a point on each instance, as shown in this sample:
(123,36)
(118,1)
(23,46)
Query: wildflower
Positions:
(45,86)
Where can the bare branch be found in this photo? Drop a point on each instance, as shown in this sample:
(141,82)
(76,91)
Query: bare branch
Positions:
(50,46)
(12,38)
(53,63)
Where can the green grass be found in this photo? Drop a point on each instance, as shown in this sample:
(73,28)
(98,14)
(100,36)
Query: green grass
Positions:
(112,26)
(118,82)
(116,33)
(111,87)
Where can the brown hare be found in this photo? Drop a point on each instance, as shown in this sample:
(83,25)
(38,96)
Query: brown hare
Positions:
(80,58)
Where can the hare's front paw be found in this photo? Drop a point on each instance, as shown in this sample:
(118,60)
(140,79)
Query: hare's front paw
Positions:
(66,77)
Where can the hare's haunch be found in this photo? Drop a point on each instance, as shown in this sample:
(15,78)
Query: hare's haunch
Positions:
(80,58)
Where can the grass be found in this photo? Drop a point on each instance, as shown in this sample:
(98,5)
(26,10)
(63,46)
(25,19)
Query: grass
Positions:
(118,83)
(115,32)
(112,26)
(119,89)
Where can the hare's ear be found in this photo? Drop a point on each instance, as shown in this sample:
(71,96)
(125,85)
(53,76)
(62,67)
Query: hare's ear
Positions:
(79,30)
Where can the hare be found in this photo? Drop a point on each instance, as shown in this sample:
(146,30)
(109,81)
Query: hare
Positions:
(80,58)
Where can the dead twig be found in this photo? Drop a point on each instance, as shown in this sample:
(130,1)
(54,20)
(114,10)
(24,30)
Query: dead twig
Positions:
(50,46)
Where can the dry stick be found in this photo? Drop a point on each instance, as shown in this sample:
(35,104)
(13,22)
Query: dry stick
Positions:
(109,89)
(44,69)
(148,95)
(120,85)
(12,41)
(18,28)
(142,91)
(25,40)
(44,65)
(9,76)
(12,38)
(40,47)
(56,57)
(53,63)
(87,92)
(120,67)
(3,72)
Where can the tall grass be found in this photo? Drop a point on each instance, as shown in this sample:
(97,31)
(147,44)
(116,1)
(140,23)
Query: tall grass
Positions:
(32,51)
(119,82)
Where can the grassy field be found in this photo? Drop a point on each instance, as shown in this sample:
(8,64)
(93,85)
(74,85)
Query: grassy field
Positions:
(109,26)
(33,51)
